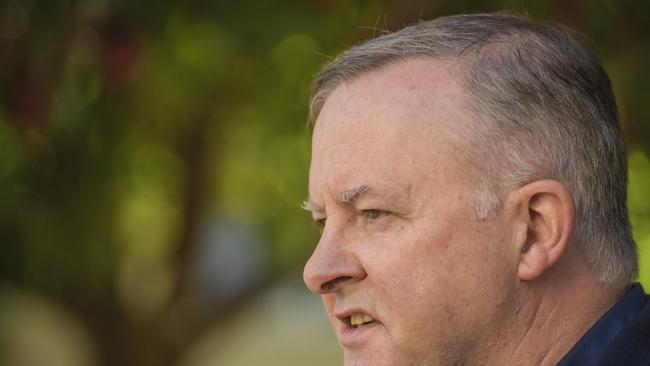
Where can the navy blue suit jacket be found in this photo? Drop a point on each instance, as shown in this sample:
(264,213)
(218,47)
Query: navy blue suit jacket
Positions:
(631,346)
(621,337)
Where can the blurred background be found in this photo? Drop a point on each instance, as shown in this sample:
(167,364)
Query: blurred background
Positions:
(153,156)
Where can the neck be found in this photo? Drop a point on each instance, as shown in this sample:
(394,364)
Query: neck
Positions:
(552,314)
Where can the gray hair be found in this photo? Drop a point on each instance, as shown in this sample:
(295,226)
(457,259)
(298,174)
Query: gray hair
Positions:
(544,109)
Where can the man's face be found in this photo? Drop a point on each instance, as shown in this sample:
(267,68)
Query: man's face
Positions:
(401,250)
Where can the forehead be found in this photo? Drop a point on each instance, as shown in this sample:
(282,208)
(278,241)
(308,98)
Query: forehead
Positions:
(391,127)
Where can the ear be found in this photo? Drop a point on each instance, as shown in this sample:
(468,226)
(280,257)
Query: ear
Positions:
(544,218)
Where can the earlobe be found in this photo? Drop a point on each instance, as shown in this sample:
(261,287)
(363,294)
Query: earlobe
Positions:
(547,211)
(533,263)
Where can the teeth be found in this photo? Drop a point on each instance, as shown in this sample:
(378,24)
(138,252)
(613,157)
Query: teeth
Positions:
(358,319)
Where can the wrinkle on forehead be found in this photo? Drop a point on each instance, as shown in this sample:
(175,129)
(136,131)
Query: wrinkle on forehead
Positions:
(401,124)
(403,90)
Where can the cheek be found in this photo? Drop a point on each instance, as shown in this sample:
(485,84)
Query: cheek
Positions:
(416,261)
(408,275)
(423,278)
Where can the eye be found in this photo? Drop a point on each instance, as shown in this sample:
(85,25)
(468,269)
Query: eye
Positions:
(373,214)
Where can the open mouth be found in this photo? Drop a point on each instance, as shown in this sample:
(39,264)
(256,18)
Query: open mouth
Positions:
(359,319)
(358,327)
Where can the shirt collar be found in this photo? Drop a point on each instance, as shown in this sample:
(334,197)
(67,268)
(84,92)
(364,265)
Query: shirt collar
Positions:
(594,342)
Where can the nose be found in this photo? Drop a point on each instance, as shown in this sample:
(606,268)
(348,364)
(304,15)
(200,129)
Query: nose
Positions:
(332,266)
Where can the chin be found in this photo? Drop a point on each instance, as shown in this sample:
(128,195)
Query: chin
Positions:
(368,357)
(389,355)
(356,358)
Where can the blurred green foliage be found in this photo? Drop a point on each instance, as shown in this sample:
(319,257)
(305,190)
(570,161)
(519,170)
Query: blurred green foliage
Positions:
(129,129)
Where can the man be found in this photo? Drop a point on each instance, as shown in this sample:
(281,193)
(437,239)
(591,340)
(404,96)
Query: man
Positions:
(469,176)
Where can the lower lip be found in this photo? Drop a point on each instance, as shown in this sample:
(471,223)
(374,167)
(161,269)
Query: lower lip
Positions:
(351,336)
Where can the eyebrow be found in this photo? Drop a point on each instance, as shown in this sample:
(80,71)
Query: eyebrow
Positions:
(346,197)
(309,205)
